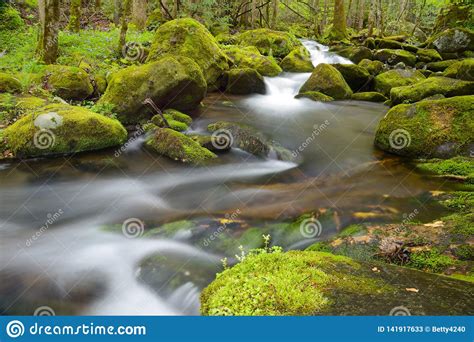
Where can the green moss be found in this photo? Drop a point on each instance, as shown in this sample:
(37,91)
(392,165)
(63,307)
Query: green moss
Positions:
(371,96)
(356,76)
(179,126)
(9,84)
(250,57)
(353,229)
(458,166)
(431,86)
(393,57)
(465,277)
(319,247)
(327,80)
(373,67)
(292,283)
(463,70)
(315,96)
(171,82)
(298,60)
(69,83)
(178,116)
(463,225)
(438,128)
(384,82)
(430,261)
(9,18)
(78,130)
(385,43)
(13,107)
(428,55)
(355,53)
(226,39)
(244,81)
(269,42)
(465,252)
(187,37)
(440,66)
(170,229)
(154,20)
(177,146)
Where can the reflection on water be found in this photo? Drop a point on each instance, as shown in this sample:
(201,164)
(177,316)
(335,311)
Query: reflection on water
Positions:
(162,273)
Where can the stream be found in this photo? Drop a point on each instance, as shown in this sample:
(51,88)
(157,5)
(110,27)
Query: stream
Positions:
(61,239)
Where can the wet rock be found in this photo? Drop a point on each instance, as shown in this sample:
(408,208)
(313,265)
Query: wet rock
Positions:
(373,67)
(356,76)
(328,80)
(244,81)
(315,96)
(453,40)
(392,57)
(384,82)
(250,57)
(371,96)
(356,53)
(298,60)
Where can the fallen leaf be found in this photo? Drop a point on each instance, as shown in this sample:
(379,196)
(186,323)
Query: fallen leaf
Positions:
(412,289)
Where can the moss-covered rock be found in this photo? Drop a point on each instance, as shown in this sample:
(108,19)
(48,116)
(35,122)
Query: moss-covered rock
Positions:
(13,107)
(428,55)
(373,67)
(453,40)
(384,82)
(371,96)
(171,82)
(459,168)
(244,81)
(384,43)
(226,39)
(210,142)
(69,83)
(176,125)
(178,116)
(188,38)
(178,146)
(356,76)
(298,60)
(438,128)
(463,70)
(269,42)
(315,96)
(392,57)
(154,20)
(318,283)
(441,66)
(62,129)
(9,18)
(9,83)
(445,86)
(328,80)
(355,53)
(250,57)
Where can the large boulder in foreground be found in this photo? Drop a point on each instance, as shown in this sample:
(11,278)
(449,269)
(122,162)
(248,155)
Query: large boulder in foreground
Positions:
(463,70)
(62,129)
(445,86)
(177,146)
(316,283)
(187,37)
(328,80)
(356,76)
(298,60)
(250,57)
(269,42)
(430,128)
(384,82)
(244,81)
(69,83)
(453,40)
(171,82)
(393,57)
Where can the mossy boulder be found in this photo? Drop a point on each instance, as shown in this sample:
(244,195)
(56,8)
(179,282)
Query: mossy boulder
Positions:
(373,67)
(62,129)
(178,146)
(328,80)
(188,38)
(299,283)
(356,76)
(393,57)
(384,43)
(355,53)
(371,96)
(437,128)
(453,40)
(298,60)
(463,70)
(269,42)
(178,116)
(244,81)
(210,142)
(445,86)
(13,107)
(177,121)
(226,39)
(384,82)
(250,57)
(171,82)
(9,18)
(441,65)
(69,83)
(9,83)
(315,96)
(428,55)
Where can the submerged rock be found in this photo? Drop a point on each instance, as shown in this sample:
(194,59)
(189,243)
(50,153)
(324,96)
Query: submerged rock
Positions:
(356,76)
(244,81)
(315,96)
(171,82)
(269,42)
(445,86)
(318,283)
(371,96)
(393,57)
(328,80)
(9,83)
(62,129)
(463,70)
(250,57)
(177,146)
(384,82)
(298,60)
(436,128)
(69,83)
(188,38)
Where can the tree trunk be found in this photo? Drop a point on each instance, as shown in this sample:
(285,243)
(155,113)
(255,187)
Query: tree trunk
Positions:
(275,13)
(339,20)
(380,23)
(349,13)
(75,16)
(97,5)
(372,9)
(253,13)
(175,8)
(124,24)
(48,42)
(117,11)
(139,13)
(324,22)
(361,14)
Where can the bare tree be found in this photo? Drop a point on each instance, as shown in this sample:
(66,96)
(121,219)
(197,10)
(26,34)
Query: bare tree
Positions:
(139,13)
(124,24)
(47,49)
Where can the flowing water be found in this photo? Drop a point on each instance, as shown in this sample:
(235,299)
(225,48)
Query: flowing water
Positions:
(61,238)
